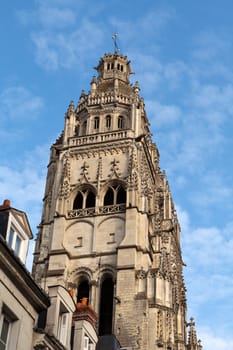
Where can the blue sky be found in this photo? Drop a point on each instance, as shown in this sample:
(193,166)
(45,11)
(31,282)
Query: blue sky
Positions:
(182,55)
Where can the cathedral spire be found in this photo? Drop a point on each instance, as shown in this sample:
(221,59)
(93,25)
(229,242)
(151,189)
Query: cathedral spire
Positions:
(193,343)
(117,237)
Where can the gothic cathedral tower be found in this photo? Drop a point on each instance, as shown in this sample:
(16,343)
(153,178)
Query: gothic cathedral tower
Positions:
(109,228)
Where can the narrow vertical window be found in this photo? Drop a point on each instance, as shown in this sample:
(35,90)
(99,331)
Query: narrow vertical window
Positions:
(83,291)
(106,307)
(90,200)
(63,323)
(14,241)
(121,196)
(4,332)
(85,127)
(18,242)
(120,122)
(10,238)
(78,202)
(109,197)
(96,123)
(108,122)
(76,131)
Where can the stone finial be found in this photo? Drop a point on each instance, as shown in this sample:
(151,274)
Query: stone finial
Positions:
(136,87)
(71,108)
(82,96)
(93,84)
(192,336)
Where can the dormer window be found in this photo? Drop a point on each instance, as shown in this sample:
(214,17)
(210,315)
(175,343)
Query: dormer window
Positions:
(14,241)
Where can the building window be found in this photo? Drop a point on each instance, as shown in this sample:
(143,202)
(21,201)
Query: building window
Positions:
(120,122)
(108,122)
(63,323)
(109,197)
(76,130)
(5,326)
(121,195)
(86,343)
(85,127)
(83,291)
(115,195)
(8,329)
(11,237)
(106,306)
(14,241)
(96,123)
(84,199)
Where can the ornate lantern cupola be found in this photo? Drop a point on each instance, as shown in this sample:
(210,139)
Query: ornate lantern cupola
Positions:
(114,66)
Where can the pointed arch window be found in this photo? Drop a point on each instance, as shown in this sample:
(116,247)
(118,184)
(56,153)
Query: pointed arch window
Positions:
(90,200)
(109,197)
(121,195)
(106,306)
(84,199)
(78,202)
(115,194)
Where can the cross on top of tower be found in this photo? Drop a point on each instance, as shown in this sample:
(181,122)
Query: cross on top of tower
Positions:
(116,48)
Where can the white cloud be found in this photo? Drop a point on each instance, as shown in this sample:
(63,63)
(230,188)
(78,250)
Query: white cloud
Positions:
(210,45)
(56,17)
(212,341)
(217,190)
(65,49)
(207,251)
(157,20)
(214,97)
(18,103)
(162,115)
(49,14)
(23,183)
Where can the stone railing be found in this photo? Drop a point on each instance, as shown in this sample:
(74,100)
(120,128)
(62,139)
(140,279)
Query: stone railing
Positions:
(109,136)
(107,209)
(103,98)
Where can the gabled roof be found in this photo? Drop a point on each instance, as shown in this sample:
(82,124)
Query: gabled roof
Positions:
(19,215)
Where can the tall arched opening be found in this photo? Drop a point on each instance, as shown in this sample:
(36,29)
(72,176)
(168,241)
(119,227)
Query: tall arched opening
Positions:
(106,306)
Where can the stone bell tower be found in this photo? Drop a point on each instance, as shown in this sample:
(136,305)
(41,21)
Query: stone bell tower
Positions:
(109,229)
